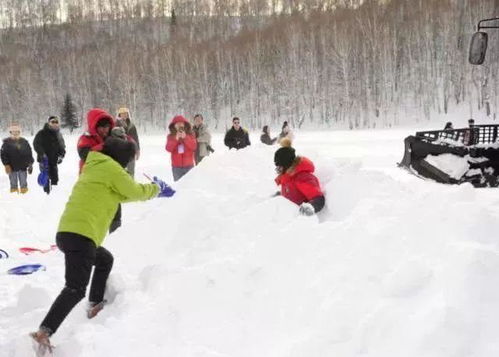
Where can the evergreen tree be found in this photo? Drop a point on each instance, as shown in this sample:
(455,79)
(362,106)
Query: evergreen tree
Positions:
(68,115)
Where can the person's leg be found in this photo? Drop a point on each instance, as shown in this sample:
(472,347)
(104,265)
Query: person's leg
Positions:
(178,172)
(23,180)
(79,253)
(103,265)
(13,181)
(54,174)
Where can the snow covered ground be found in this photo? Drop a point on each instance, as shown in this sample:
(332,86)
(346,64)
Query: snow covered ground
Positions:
(396,266)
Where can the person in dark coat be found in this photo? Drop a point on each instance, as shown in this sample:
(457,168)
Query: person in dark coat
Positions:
(17,158)
(49,143)
(236,137)
(448,126)
(297,180)
(265,137)
(125,122)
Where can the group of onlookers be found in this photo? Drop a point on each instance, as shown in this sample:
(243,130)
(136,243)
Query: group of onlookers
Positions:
(17,156)
(285,133)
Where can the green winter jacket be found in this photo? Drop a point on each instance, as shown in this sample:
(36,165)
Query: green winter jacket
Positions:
(102,185)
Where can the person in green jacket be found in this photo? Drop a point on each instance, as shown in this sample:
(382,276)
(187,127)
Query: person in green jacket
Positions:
(102,185)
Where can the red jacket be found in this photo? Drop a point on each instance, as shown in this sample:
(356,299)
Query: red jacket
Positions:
(299,184)
(91,140)
(187,145)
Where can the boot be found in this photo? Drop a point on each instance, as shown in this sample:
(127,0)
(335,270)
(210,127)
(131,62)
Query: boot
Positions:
(24,189)
(94,308)
(42,341)
(14,190)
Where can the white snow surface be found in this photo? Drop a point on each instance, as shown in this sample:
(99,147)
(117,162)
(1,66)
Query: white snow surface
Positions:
(395,266)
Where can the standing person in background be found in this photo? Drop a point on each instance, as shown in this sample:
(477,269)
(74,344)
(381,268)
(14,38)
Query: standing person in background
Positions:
(448,126)
(125,121)
(101,187)
(99,125)
(17,158)
(49,143)
(181,143)
(265,137)
(203,138)
(286,132)
(236,137)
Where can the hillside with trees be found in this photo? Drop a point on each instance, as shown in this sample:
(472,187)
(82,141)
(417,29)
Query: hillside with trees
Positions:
(331,63)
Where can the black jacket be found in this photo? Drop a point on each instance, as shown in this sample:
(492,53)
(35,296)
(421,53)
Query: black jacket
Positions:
(237,139)
(49,142)
(16,153)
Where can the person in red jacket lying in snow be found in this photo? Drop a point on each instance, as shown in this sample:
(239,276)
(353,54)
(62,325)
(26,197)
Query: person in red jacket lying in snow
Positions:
(297,180)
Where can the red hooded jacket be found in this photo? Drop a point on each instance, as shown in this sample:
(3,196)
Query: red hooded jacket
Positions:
(91,140)
(299,184)
(186,146)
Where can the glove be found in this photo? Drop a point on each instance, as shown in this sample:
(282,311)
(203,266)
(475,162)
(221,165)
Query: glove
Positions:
(30,169)
(8,169)
(59,160)
(210,149)
(165,190)
(306,209)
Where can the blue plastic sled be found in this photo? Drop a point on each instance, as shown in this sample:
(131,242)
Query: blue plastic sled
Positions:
(43,176)
(26,269)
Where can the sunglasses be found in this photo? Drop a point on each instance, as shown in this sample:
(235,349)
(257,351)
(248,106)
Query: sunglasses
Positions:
(236,122)
(54,122)
(15,132)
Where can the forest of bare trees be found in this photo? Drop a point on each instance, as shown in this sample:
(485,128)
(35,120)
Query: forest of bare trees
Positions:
(348,63)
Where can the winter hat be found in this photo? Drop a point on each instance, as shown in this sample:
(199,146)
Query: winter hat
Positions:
(53,117)
(123,110)
(118,132)
(284,157)
(119,150)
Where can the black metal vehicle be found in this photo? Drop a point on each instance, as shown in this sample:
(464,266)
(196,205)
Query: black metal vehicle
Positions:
(477,146)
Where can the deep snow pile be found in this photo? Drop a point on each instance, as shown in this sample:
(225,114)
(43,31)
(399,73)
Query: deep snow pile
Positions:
(396,266)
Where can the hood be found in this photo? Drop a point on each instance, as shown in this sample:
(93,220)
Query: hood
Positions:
(94,116)
(179,119)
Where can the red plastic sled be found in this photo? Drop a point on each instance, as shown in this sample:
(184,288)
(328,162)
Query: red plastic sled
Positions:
(28,250)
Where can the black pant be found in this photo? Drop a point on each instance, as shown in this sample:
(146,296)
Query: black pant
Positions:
(53,173)
(80,254)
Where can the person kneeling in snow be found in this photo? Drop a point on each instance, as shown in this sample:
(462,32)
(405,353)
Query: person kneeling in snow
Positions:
(297,181)
(102,185)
